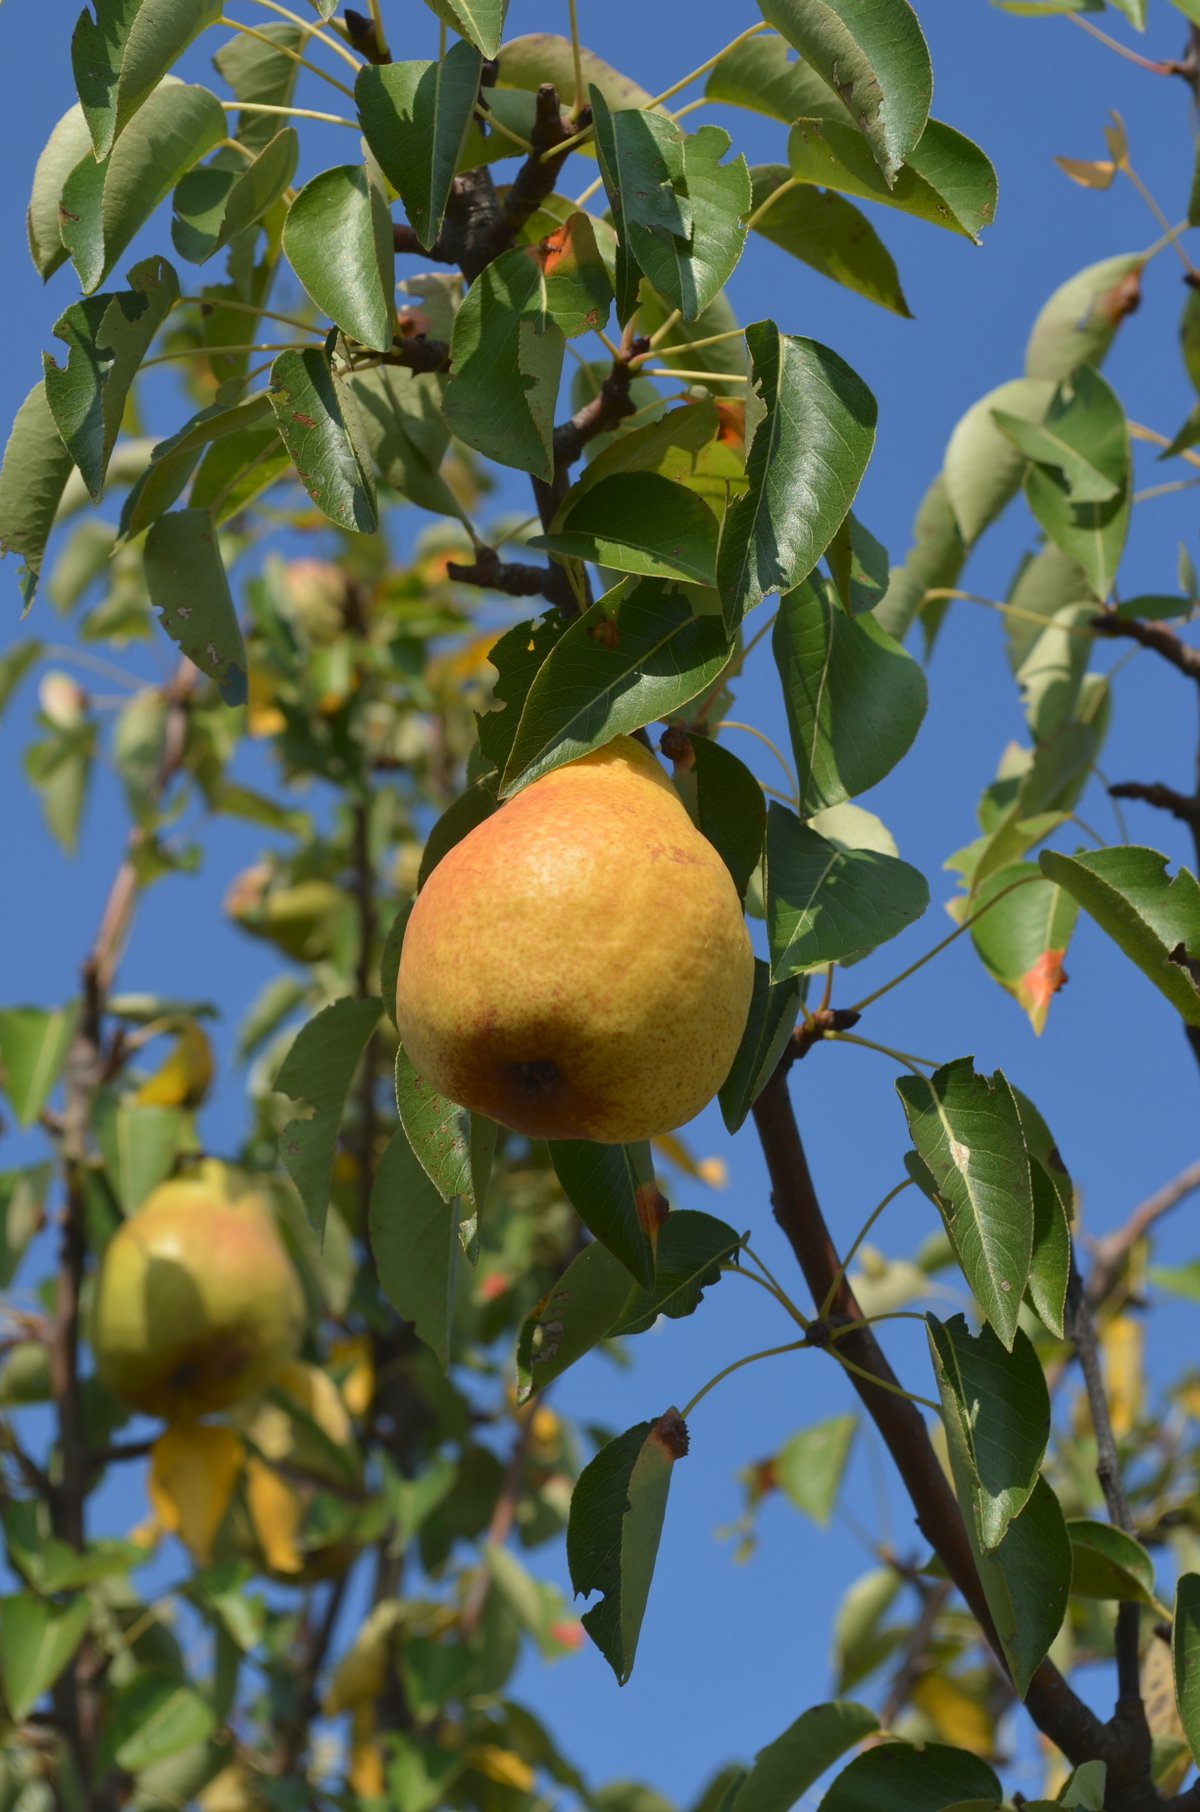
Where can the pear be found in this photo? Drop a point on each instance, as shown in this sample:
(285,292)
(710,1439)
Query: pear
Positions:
(197,1304)
(578,966)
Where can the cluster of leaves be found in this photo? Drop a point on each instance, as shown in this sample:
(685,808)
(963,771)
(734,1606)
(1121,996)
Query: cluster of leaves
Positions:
(453,1271)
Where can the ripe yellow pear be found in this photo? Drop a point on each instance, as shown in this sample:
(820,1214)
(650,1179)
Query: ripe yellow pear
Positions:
(578,966)
(197,1304)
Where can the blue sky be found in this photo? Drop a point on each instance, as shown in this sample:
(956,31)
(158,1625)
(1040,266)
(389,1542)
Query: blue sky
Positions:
(729,1655)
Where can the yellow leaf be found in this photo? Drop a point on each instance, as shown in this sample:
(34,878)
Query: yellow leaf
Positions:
(263,716)
(353,1356)
(365,1773)
(275,1514)
(1121,1343)
(712,1171)
(185,1075)
(1162,1715)
(501,1765)
(360,1675)
(229,1791)
(193,1471)
(1117,141)
(957,1717)
(1088,173)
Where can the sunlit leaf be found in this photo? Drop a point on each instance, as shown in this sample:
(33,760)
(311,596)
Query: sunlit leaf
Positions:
(33,1049)
(1107,1563)
(826,232)
(1078,322)
(119,57)
(215,203)
(946,181)
(784,1770)
(415,117)
(35,470)
(317,417)
(1155,920)
(827,904)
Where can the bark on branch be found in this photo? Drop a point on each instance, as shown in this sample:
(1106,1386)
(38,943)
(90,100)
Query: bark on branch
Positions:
(1054,1706)
(1154,636)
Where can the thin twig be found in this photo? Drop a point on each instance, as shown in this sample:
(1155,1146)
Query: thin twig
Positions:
(1110,1253)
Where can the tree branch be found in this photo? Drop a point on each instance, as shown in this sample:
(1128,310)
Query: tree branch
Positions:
(1154,636)
(1054,1706)
(509,576)
(535,180)
(1165,798)
(1110,1253)
(1082,1331)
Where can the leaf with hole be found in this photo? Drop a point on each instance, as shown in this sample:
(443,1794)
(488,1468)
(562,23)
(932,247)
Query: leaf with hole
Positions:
(106,337)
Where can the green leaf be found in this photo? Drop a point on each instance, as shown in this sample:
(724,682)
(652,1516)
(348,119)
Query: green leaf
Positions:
(827,905)
(1185,1656)
(854,698)
(872,55)
(1051,677)
(616,1519)
(318,1070)
(214,204)
(771,1021)
(933,1778)
(507,344)
(155,1716)
(730,808)
(104,204)
(784,1770)
(60,768)
(262,73)
(691,1249)
(1051,445)
(1155,921)
(634,656)
(338,239)
(68,144)
(612,1190)
(22,1213)
(969,1139)
(573,1317)
(107,337)
(1077,325)
(173,461)
(415,1244)
(14,666)
(185,577)
(1107,1563)
(33,1049)
(1086,417)
(1022,939)
(804,465)
(639,522)
(858,566)
(37,1640)
(808,1468)
(517,657)
(761,74)
(983,467)
(403,431)
(317,418)
(1044,584)
(415,117)
(119,57)
(996,1411)
(934,562)
(1050,1262)
(452,1146)
(32,478)
(946,182)
(480,22)
(140,1146)
(679,212)
(543,56)
(826,232)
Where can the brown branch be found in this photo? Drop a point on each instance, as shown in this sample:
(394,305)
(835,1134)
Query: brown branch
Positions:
(503,1515)
(1154,636)
(1165,798)
(416,354)
(1110,1253)
(1081,1329)
(536,179)
(1055,1708)
(509,576)
(916,1650)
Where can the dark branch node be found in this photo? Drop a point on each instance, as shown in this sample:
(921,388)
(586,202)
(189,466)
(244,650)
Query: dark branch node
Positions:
(1152,792)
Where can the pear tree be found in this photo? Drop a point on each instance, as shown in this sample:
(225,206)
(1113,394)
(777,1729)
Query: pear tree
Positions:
(414,507)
